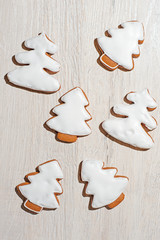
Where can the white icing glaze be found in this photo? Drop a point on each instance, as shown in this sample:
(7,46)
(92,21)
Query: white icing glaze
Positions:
(33,76)
(72,115)
(123,43)
(102,184)
(44,185)
(129,130)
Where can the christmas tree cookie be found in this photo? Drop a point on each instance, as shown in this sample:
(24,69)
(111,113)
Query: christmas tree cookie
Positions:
(70,120)
(43,187)
(105,187)
(134,120)
(37,65)
(121,45)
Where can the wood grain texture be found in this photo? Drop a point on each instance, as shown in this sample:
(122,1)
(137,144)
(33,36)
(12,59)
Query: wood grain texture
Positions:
(25,143)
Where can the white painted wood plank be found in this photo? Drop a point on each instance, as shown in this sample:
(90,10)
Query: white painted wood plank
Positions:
(25,143)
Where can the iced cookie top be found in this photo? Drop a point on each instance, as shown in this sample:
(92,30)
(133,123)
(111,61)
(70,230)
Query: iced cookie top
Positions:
(123,43)
(72,115)
(44,185)
(34,75)
(102,183)
(130,129)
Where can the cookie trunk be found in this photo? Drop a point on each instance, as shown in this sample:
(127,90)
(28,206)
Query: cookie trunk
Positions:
(32,207)
(66,138)
(108,62)
(116,202)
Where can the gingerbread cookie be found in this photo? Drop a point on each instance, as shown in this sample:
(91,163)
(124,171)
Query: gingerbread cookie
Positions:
(38,66)
(105,187)
(121,45)
(134,121)
(43,187)
(71,116)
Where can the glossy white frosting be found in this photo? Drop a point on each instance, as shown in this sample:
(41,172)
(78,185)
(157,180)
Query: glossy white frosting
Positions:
(72,115)
(33,75)
(129,130)
(102,183)
(44,185)
(123,43)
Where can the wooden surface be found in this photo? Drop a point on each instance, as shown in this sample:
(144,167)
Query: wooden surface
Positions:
(25,143)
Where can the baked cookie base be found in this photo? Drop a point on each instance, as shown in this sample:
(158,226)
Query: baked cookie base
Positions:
(66,138)
(116,202)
